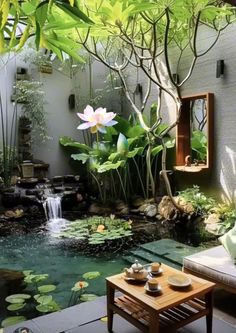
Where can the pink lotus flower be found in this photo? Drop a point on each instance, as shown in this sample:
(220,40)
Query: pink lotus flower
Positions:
(96,120)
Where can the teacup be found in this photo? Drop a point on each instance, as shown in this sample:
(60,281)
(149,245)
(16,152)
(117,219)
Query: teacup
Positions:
(153,284)
(155,266)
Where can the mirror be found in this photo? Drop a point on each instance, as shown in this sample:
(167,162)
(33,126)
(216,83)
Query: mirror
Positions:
(194,140)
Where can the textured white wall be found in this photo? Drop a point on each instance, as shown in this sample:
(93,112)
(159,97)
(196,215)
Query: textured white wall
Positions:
(223,176)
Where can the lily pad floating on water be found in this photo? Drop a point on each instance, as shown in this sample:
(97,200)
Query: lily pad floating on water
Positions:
(12,320)
(96,230)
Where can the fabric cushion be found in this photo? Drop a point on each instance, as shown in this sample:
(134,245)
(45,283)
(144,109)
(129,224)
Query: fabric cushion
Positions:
(214,263)
(228,240)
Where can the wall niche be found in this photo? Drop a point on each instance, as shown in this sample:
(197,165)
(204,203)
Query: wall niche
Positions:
(194,137)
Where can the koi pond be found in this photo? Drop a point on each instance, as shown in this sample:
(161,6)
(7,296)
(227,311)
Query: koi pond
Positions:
(44,255)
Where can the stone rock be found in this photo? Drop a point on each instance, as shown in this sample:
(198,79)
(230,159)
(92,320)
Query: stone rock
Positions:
(121,207)
(150,210)
(167,210)
(69,178)
(57,180)
(28,200)
(137,202)
(95,208)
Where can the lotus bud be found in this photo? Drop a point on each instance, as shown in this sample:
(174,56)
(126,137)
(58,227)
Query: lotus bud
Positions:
(122,145)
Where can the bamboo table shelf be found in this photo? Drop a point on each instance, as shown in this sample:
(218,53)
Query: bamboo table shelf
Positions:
(171,309)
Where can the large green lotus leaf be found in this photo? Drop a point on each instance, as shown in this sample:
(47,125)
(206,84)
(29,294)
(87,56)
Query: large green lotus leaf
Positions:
(135,131)
(9,321)
(135,151)
(109,166)
(17,296)
(15,307)
(88,297)
(80,157)
(157,150)
(68,142)
(47,288)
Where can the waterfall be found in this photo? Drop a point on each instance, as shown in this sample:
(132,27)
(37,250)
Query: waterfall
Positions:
(53,212)
(52,208)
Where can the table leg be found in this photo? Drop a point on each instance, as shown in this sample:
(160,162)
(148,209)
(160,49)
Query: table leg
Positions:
(110,300)
(209,306)
(153,322)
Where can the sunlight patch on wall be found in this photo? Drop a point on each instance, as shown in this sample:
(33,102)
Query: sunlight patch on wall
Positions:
(228,169)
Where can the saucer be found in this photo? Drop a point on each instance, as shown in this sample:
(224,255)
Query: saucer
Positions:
(153,291)
(135,281)
(179,280)
(160,271)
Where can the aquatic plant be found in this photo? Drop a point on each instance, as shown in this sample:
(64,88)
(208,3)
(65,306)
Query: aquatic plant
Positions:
(96,230)
(78,291)
(96,120)
(39,299)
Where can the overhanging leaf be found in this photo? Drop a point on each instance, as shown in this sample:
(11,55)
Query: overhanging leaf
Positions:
(73,12)
(41,13)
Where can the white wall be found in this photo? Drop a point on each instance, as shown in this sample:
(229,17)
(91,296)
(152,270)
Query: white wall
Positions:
(204,79)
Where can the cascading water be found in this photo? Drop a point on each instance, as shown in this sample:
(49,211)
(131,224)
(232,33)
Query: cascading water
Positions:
(52,208)
(53,212)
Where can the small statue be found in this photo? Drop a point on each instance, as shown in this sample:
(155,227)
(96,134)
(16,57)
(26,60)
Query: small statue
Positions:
(187,160)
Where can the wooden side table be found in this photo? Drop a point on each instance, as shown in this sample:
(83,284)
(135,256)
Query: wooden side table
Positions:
(172,309)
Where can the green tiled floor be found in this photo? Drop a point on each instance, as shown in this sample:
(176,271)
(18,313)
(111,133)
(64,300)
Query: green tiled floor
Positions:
(167,251)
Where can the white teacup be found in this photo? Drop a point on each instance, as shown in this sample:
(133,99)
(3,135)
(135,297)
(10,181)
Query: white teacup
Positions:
(155,266)
(152,284)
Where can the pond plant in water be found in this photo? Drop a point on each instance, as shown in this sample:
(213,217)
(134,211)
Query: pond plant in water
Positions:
(97,230)
(36,297)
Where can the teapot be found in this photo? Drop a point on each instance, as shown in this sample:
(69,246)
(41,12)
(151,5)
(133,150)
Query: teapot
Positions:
(136,271)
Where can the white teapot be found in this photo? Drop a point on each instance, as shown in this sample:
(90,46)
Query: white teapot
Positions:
(136,271)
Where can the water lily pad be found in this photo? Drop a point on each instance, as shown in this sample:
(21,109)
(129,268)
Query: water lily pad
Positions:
(50,307)
(88,297)
(45,299)
(12,320)
(47,288)
(91,275)
(17,298)
(15,307)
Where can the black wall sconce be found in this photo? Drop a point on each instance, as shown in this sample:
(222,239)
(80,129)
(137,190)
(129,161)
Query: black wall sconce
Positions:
(220,67)
(71,101)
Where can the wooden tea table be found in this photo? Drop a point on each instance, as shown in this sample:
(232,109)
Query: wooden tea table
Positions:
(171,309)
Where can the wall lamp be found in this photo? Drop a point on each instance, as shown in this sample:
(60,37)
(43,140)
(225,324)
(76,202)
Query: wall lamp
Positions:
(220,66)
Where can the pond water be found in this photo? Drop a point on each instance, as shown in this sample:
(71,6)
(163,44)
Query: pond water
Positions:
(43,254)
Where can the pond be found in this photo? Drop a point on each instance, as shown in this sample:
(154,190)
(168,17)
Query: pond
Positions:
(43,254)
